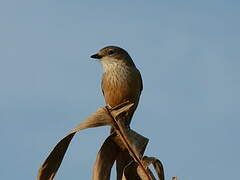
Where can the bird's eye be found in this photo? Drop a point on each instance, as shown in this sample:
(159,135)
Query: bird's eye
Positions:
(110,52)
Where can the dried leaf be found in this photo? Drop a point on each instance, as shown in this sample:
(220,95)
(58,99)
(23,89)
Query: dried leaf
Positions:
(105,159)
(138,144)
(130,172)
(100,118)
(134,172)
(158,167)
(130,140)
(123,160)
(50,166)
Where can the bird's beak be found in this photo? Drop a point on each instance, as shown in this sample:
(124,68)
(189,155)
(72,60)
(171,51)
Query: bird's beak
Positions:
(96,56)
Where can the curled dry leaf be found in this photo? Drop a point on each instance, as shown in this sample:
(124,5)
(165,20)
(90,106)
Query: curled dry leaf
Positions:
(116,147)
(123,135)
(105,159)
(134,171)
(158,167)
(130,171)
(135,145)
(100,118)
(111,151)
(124,145)
(137,142)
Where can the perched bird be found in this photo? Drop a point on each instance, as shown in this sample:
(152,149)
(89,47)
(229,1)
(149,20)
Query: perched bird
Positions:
(121,80)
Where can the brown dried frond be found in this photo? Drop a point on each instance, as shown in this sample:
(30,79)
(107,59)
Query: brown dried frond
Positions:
(124,146)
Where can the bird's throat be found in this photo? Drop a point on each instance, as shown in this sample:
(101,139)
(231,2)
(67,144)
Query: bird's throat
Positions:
(116,73)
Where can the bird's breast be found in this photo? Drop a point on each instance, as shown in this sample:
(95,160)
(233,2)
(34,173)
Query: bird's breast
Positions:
(121,84)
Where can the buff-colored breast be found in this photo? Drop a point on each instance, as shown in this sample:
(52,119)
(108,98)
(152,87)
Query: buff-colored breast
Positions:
(121,84)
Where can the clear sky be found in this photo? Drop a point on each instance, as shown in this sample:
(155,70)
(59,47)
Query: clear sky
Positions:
(188,54)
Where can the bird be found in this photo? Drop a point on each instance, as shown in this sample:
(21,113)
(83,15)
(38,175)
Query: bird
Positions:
(121,80)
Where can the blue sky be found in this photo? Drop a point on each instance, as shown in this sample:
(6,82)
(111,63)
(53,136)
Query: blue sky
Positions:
(187,52)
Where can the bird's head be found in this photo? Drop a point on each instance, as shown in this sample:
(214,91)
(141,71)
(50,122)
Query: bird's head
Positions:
(112,55)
